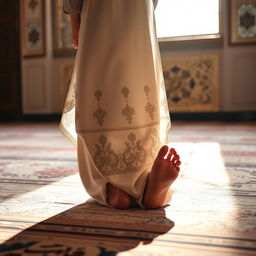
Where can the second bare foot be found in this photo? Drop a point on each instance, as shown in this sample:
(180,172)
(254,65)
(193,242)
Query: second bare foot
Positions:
(117,198)
(163,173)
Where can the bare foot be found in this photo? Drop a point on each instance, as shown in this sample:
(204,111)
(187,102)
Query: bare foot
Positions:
(163,173)
(117,198)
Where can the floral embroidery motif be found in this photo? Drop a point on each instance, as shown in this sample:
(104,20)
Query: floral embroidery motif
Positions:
(133,158)
(105,158)
(150,108)
(125,91)
(127,111)
(100,114)
(70,104)
(155,144)
(146,90)
(135,155)
(98,95)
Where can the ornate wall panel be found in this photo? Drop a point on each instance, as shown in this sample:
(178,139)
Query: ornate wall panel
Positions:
(243,21)
(33,28)
(192,82)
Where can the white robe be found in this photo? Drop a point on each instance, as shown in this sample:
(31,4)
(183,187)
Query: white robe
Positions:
(116,101)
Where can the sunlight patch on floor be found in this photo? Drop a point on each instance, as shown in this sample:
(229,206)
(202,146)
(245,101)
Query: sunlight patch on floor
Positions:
(202,162)
(202,192)
(52,196)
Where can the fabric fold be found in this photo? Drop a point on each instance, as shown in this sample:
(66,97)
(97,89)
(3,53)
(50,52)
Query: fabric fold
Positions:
(116,101)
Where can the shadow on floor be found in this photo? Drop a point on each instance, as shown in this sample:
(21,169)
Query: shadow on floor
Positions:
(89,229)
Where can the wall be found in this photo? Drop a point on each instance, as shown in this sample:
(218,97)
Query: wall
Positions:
(41,83)
(41,76)
(237,65)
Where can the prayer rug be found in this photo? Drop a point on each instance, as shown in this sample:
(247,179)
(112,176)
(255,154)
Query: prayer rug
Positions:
(45,211)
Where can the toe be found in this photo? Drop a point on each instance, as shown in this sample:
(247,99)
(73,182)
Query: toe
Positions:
(173,151)
(163,151)
(175,158)
(171,154)
(177,162)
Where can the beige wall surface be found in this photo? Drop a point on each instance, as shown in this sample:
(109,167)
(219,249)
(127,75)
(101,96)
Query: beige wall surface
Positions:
(43,83)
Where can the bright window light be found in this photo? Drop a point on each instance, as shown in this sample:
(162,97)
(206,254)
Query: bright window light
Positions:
(176,18)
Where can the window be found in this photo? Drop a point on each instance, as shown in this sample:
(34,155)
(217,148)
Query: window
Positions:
(187,18)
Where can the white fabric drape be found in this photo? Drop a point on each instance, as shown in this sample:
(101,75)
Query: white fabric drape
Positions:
(116,102)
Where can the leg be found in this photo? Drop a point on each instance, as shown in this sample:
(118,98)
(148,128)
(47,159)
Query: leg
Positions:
(163,173)
(117,198)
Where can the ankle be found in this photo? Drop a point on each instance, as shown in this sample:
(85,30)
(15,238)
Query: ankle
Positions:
(157,199)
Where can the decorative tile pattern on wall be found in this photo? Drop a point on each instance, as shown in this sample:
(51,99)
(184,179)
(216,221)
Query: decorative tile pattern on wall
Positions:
(192,82)
(33,37)
(243,21)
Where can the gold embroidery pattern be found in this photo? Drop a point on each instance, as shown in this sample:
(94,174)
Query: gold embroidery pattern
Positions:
(70,104)
(98,95)
(135,155)
(150,108)
(127,111)
(100,114)
(155,144)
(105,158)
(133,158)
(125,91)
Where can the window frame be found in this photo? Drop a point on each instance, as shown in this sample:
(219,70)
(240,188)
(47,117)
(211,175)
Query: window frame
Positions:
(205,37)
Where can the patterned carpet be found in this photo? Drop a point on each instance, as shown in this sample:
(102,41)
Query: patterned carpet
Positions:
(45,211)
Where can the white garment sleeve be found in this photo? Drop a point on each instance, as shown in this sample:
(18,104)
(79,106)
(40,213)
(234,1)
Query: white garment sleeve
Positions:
(72,6)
